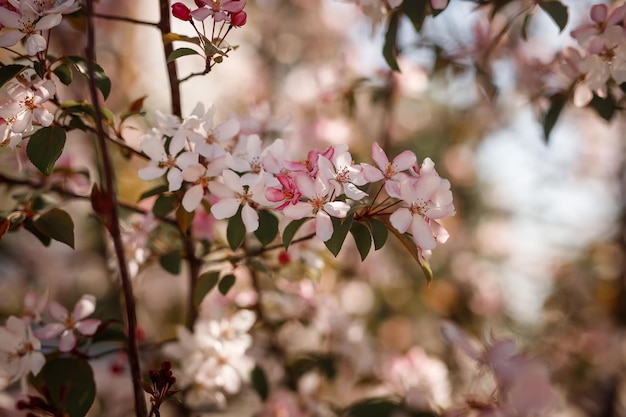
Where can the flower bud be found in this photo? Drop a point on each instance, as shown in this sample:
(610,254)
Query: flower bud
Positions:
(180,11)
(238,19)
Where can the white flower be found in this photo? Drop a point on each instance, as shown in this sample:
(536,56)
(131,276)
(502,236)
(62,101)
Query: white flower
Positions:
(342,174)
(26,23)
(19,351)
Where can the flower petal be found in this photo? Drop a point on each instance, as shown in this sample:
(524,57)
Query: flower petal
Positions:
(84,307)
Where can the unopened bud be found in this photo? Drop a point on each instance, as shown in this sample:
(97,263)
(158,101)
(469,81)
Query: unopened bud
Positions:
(238,19)
(180,11)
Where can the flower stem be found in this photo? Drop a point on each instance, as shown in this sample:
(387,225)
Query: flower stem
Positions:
(113,224)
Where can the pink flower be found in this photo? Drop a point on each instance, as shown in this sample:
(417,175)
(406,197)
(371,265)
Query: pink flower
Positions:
(219,9)
(319,205)
(69,323)
(599,14)
(26,23)
(391,172)
(288,195)
(309,165)
(425,199)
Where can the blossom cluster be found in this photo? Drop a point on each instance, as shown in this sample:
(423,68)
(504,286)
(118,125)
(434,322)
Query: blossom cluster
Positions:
(212,361)
(28,19)
(229,11)
(603,55)
(21,350)
(236,173)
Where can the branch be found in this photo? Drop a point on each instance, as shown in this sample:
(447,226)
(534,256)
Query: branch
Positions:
(108,193)
(165,28)
(125,19)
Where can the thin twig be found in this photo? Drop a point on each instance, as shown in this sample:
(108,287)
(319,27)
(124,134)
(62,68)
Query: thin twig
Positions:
(165,28)
(125,19)
(108,193)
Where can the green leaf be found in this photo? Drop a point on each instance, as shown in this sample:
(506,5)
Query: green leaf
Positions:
(557,11)
(171,37)
(362,238)
(64,73)
(8,72)
(101,79)
(390,48)
(525,25)
(30,226)
(379,407)
(153,191)
(210,48)
(416,11)
(58,225)
(268,227)
(340,231)
(206,282)
(68,384)
(171,262)
(427,270)
(259,382)
(164,205)
(557,103)
(291,230)
(184,218)
(226,283)
(236,230)
(379,233)
(40,69)
(45,147)
(180,52)
(605,107)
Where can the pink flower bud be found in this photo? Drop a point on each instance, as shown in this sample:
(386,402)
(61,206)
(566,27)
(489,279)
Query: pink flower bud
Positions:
(180,11)
(238,19)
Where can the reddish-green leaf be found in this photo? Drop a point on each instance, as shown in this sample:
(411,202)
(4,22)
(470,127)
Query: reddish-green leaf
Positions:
(206,282)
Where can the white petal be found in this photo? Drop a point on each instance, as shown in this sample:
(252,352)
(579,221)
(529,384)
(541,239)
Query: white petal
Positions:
(151,172)
(49,331)
(323,226)
(35,43)
(298,211)
(57,311)
(84,307)
(225,209)
(250,218)
(9,37)
(193,197)
(88,327)
(401,219)
(174,179)
(422,234)
(337,208)
(48,22)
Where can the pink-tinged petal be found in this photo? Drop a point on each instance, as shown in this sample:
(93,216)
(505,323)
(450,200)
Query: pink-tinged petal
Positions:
(584,32)
(48,22)
(49,331)
(174,179)
(439,4)
(250,218)
(9,37)
(45,91)
(234,6)
(37,361)
(193,197)
(67,342)
(220,16)
(323,226)
(274,194)
(232,181)
(84,307)
(35,43)
(393,189)
(459,339)
(193,172)
(306,185)
(298,211)
(582,95)
(617,15)
(23,122)
(379,156)
(440,232)
(201,13)
(422,234)
(337,209)
(44,117)
(57,311)
(227,129)
(219,190)
(225,209)
(426,186)
(237,164)
(88,327)
(404,161)
(598,12)
(8,18)
(371,173)
(186,158)
(401,219)
(353,192)
(151,172)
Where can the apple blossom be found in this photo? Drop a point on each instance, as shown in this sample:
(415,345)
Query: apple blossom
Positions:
(343,174)
(220,10)
(318,204)
(391,172)
(25,22)
(424,200)
(67,323)
(19,351)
